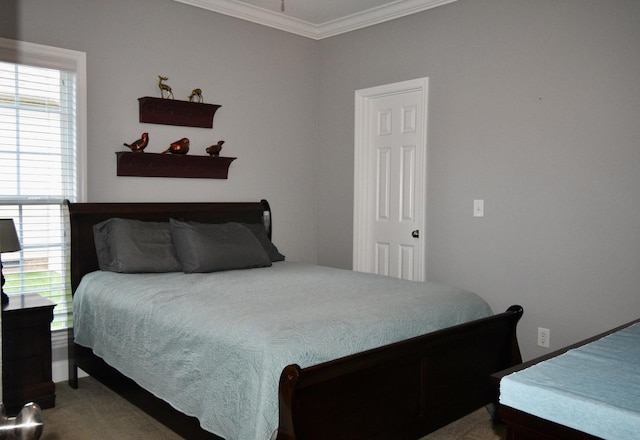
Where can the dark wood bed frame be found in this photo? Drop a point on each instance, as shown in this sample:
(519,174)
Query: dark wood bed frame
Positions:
(525,426)
(400,391)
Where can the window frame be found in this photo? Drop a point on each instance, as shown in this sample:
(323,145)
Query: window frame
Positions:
(38,55)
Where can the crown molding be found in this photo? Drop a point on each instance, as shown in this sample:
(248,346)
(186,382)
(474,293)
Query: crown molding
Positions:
(265,17)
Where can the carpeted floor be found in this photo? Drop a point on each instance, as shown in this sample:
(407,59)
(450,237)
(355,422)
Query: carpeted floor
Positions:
(476,426)
(93,412)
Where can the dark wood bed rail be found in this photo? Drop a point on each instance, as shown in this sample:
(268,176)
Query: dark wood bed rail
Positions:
(404,392)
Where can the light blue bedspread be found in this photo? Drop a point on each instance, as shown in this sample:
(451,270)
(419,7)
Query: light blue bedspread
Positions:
(594,388)
(214,345)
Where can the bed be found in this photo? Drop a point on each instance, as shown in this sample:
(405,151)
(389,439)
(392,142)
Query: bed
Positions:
(380,389)
(589,390)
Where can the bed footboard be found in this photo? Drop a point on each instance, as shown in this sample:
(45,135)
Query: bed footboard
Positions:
(403,391)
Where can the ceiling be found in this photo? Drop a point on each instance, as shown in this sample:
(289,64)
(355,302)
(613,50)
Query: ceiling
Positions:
(317,19)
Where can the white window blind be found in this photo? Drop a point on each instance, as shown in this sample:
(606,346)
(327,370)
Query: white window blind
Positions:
(41,165)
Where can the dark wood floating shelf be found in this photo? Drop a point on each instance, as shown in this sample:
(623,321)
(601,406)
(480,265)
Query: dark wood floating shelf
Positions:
(173,112)
(172,165)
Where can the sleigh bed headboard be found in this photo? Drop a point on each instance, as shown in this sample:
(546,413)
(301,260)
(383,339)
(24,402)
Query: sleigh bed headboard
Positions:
(83,216)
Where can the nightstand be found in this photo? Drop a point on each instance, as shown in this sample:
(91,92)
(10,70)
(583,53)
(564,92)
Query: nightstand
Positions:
(26,352)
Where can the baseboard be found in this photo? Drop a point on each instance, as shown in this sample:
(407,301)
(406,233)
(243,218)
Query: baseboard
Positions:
(59,357)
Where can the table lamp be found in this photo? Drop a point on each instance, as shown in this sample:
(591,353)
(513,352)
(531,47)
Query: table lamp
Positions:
(8,243)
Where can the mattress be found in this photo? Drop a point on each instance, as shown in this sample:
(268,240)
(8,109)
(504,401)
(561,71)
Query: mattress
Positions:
(214,345)
(594,388)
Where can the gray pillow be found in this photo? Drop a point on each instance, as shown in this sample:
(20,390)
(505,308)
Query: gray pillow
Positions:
(204,247)
(261,234)
(134,246)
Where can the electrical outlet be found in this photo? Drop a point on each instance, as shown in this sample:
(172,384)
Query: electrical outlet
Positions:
(543,337)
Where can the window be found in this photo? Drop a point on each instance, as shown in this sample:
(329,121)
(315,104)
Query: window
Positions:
(42,163)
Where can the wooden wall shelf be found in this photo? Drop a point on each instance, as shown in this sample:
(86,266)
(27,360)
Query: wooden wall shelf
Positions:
(172,165)
(173,112)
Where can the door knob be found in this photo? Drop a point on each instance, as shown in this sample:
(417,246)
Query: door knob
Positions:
(416,233)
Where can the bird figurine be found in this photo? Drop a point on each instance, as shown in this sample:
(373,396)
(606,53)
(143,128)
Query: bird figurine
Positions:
(178,147)
(139,145)
(214,150)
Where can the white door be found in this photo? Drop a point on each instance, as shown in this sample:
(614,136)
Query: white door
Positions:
(390,180)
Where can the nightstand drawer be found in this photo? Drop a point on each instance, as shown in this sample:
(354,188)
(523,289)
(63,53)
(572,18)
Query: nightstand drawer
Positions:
(25,342)
(24,371)
(27,318)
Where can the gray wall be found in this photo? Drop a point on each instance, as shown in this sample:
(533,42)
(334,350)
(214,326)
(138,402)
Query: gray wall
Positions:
(265,80)
(534,107)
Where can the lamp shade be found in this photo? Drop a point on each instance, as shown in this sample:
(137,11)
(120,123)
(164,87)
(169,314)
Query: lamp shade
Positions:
(8,237)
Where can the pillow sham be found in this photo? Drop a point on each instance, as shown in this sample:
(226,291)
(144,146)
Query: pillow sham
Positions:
(261,234)
(205,247)
(135,246)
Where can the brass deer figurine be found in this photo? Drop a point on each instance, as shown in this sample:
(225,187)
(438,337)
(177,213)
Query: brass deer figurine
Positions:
(164,87)
(197,94)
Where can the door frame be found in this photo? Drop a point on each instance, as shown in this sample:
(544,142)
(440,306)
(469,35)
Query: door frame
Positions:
(362,177)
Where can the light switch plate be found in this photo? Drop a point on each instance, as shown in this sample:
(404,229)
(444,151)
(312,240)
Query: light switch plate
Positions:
(478,208)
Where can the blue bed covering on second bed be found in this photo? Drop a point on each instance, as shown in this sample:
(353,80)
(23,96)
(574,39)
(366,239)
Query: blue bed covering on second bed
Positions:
(214,345)
(594,388)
